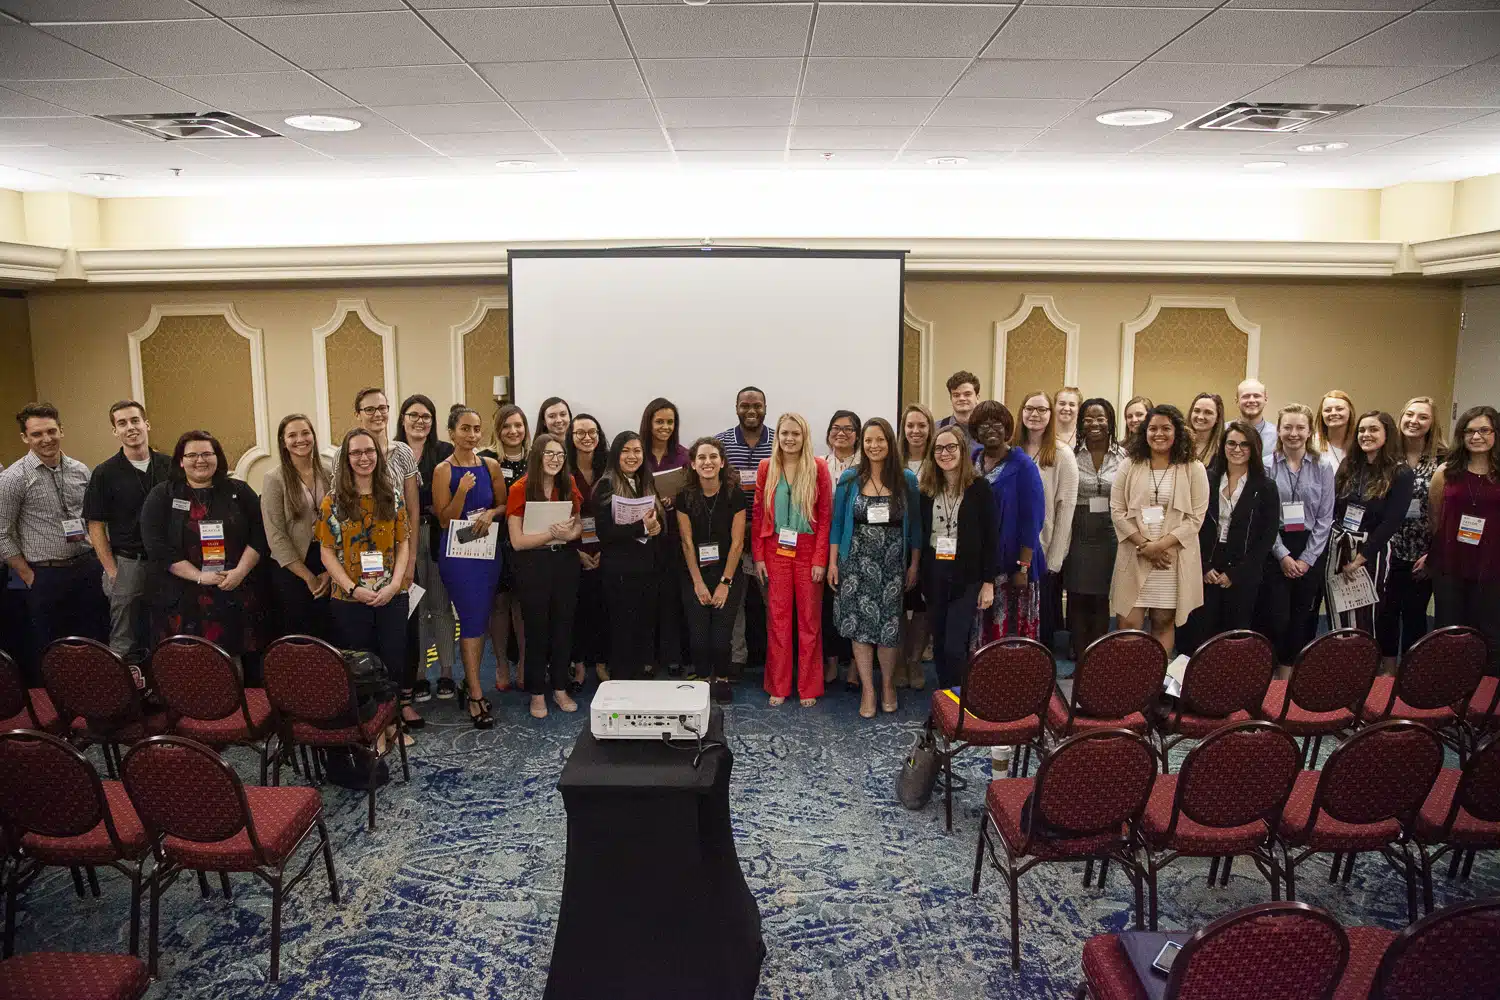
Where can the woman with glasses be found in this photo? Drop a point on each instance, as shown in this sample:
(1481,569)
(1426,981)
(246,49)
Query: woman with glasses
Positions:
(960,550)
(1464,557)
(1206,421)
(1293,584)
(917,425)
(1372,491)
(547,571)
(1059,470)
(1408,589)
(588,459)
(510,443)
(843,454)
(1020,507)
(1091,556)
(434,614)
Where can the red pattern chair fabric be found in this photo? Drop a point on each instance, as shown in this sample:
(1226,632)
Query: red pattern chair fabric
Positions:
(57,975)
(90,684)
(1434,683)
(205,699)
(1365,799)
(1226,801)
(1000,703)
(1484,707)
(1084,804)
(21,708)
(1367,946)
(58,813)
(200,816)
(1116,680)
(310,688)
(1461,815)
(1326,688)
(1453,954)
(1224,683)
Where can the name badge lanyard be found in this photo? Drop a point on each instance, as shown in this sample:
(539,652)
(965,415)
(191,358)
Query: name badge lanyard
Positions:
(1099,502)
(1156,513)
(1294,482)
(1470,526)
(73,527)
(947,545)
(708,552)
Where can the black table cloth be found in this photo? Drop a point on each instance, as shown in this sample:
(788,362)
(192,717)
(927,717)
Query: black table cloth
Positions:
(654,904)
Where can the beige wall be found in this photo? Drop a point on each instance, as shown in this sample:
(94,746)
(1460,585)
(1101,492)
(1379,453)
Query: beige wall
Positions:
(12,217)
(17,384)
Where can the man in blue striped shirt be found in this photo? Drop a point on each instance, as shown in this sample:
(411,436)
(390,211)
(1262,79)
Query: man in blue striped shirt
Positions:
(745,444)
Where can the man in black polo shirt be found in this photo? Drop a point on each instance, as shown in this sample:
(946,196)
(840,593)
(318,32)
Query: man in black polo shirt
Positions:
(112,507)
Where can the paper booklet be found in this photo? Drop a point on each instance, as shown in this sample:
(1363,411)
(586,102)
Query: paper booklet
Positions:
(478,548)
(1346,593)
(629,510)
(543,514)
(671,482)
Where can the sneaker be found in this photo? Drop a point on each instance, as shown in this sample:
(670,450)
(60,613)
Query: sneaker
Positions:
(722,691)
(446,689)
(421,691)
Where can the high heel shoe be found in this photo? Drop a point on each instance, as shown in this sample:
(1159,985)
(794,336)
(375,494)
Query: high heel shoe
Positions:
(482,719)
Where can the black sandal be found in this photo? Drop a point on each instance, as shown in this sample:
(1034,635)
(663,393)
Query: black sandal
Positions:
(484,720)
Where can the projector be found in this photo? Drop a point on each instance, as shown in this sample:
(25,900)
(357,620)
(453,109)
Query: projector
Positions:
(644,710)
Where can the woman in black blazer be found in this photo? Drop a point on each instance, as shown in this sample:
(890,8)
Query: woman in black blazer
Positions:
(960,549)
(1243,516)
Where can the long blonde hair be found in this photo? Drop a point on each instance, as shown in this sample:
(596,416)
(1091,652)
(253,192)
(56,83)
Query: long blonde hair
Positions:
(1351,431)
(906,455)
(801,478)
(1434,446)
(1046,448)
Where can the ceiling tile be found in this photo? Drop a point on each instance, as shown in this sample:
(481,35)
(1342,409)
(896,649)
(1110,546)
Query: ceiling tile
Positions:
(835,77)
(1253,36)
(363,143)
(619,140)
(1347,84)
(628,158)
(394,85)
(350,41)
(584,79)
(159,48)
(978,158)
(733,30)
(1001,111)
(108,97)
(839,158)
(1208,142)
(1484,123)
(896,29)
(715,112)
(738,157)
(1356,144)
(1168,81)
(517,34)
(1390,120)
(254,152)
(1117,3)
(1477,142)
(14,105)
(547,115)
(1327,4)
(249,8)
(426,5)
(101,10)
(488,144)
(722,77)
(1076,78)
(728,138)
(1115,140)
(28,54)
(804,137)
(258,91)
(934,137)
(22,131)
(160,154)
(1475,87)
(871,113)
(493,116)
(1427,39)
(1088,32)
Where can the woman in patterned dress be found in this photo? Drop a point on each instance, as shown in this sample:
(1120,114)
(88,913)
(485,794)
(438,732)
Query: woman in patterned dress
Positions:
(1408,590)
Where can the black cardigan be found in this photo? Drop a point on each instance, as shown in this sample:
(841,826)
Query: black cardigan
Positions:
(1383,515)
(164,528)
(1252,530)
(978,558)
(620,545)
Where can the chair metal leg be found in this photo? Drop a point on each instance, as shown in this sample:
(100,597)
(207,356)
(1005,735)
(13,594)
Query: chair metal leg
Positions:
(1456,860)
(1213,870)
(224,884)
(401,745)
(1349,866)
(77,880)
(1333,870)
(135,912)
(1103,871)
(374,765)
(1224,875)
(12,886)
(153,940)
(1088,872)
(1317,745)
(1468,865)
(979,854)
(1426,880)
(333,882)
(1136,879)
(276,893)
(1015,919)
(1275,875)
(948,790)
(1151,887)
(1290,873)
(203,884)
(93,875)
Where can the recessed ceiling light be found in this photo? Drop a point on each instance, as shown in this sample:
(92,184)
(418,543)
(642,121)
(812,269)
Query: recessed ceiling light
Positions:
(323,123)
(1321,147)
(107,178)
(1131,117)
(695,3)
(517,164)
(1265,165)
(947,161)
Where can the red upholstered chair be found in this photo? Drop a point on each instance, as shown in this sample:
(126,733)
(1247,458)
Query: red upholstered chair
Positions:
(23,708)
(1225,682)
(1461,816)
(1116,680)
(90,684)
(1325,690)
(199,815)
(60,975)
(1434,684)
(1272,951)
(1084,804)
(1364,799)
(310,687)
(1000,703)
(1453,954)
(59,814)
(1225,801)
(206,700)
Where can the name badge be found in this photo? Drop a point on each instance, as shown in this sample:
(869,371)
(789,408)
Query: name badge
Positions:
(878,513)
(1098,505)
(1294,516)
(1414,509)
(1470,529)
(182,505)
(507,472)
(211,541)
(1354,517)
(1153,515)
(73,529)
(747,477)
(590,536)
(371,565)
(786,542)
(947,548)
(708,555)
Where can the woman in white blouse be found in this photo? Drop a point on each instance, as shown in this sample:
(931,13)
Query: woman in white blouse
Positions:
(1091,555)
(1035,435)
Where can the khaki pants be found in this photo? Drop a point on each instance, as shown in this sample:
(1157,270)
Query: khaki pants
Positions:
(125,595)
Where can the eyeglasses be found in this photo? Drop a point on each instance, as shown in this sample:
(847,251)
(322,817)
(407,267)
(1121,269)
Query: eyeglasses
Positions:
(1236,444)
(417,418)
(371,411)
(363,453)
(945,449)
(198,456)
(1479,431)
(1036,409)
(554,454)
(580,433)
(841,429)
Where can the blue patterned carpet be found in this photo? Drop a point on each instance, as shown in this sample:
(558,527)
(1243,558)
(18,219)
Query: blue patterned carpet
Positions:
(456,893)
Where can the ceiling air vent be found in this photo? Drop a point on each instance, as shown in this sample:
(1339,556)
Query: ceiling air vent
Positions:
(1243,116)
(191,125)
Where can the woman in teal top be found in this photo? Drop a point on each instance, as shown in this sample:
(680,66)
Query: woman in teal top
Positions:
(873,553)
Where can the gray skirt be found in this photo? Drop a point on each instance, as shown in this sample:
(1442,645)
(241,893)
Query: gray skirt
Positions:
(1091,555)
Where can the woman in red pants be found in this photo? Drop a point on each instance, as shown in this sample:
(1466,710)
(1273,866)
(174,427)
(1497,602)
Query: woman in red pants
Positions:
(789,540)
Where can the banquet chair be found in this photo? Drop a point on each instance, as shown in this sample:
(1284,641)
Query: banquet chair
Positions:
(22,707)
(1325,690)
(207,702)
(1224,683)
(90,684)
(1433,684)
(1116,680)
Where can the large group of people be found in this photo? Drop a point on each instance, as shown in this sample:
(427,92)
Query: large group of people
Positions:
(652,558)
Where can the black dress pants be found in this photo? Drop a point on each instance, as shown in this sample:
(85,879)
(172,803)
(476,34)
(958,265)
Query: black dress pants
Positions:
(631,599)
(67,600)
(1401,618)
(547,583)
(711,629)
(1224,609)
(1288,609)
(951,607)
(1470,602)
(298,612)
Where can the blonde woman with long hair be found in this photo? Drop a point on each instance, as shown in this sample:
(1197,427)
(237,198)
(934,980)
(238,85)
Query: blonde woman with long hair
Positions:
(1291,589)
(1402,617)
(1065,416)
(1335,424)
(1205,419)
(789,540)
(1036,436)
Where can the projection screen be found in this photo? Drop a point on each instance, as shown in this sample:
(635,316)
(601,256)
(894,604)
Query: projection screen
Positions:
(609,330)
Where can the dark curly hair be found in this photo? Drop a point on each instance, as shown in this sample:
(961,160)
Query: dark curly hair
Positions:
(1182,439)
(991,411)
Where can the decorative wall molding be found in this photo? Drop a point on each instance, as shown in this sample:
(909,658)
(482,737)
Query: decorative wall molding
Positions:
(1226,303)
(924,330)
(1048,305)
(1475,254)
(23,262)
(262,447)
(458,331)
(387,334)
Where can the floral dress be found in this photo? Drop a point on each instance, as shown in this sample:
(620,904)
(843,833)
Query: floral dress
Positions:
(869,605)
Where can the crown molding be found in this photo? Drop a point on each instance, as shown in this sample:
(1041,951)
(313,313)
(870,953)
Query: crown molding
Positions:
(30,264)
(1474,254)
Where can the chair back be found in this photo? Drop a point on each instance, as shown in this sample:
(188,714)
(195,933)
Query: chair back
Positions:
(1237,775)
(1334,671)
(12,688)
(1094,783)
(1273,951)
(196,678)
(1442,669)
(47,786)
(1382,772)
(307,680)
(181,788)
(1119,674)
(1228,673)
(1006,680)
(87,678)
(1478,791)
(1453,954)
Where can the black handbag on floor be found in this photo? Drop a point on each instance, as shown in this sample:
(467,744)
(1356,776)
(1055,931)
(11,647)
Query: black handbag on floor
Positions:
(919,771)
(372,682)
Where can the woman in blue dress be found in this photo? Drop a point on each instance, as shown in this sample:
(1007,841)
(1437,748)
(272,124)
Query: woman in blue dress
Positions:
(469,487)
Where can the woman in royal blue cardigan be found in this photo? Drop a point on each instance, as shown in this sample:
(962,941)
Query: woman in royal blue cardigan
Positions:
(1020,508)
